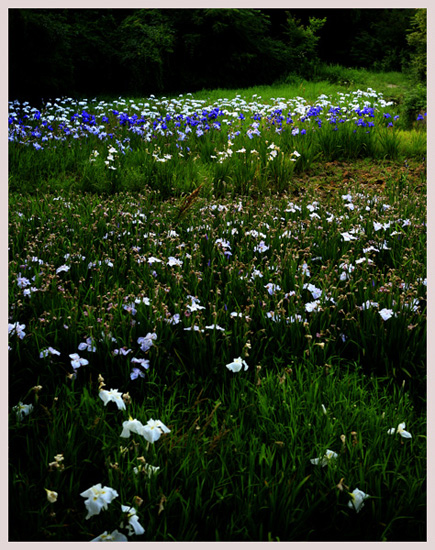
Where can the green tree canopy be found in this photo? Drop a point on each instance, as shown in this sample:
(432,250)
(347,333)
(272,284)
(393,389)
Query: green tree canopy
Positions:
(417,39)
(70,52)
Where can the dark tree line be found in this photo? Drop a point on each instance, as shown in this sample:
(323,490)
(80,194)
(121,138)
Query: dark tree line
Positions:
(58,52)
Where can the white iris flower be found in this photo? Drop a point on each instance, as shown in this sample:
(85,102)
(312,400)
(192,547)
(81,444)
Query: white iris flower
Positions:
(325,459)
(357,499)
(114,536)
(153,429)
(237,365)
(112,395)
(133,521)
(400,430)
(98,498)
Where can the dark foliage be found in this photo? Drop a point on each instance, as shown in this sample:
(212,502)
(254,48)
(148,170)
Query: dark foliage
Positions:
(73,52)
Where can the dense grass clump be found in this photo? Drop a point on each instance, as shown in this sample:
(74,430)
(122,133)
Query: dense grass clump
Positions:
(242,361)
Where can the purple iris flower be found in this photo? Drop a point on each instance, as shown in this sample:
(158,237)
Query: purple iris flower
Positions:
(135,373)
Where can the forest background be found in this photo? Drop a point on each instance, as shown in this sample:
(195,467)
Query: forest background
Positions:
(79,52)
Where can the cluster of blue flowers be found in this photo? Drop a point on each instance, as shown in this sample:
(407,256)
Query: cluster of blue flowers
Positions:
(66,119)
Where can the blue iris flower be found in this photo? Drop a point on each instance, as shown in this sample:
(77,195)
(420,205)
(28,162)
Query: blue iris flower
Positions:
(314,111)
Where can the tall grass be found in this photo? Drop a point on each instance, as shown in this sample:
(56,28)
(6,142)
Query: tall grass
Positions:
(325,372)
(158,245)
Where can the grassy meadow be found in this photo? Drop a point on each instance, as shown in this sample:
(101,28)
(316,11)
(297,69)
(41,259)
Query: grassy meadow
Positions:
(217,316)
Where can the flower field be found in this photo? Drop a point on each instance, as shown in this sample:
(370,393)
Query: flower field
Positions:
(174,145)
(199,348)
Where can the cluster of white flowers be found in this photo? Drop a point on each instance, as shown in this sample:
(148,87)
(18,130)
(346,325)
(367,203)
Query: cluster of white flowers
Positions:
(194,305)
(151,431)
(98,498)
(158,158)
(223,155)
(110,158)
(174,261)
(357,497)
(316,292)
(273,153)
